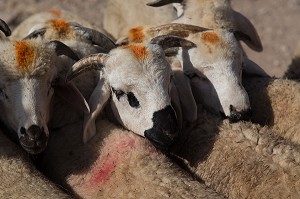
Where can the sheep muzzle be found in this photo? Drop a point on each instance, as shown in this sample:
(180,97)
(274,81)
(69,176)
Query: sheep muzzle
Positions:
(34,139)
(164,129)
(236,115)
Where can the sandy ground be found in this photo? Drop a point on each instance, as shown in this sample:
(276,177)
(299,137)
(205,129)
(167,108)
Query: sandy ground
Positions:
(275,21)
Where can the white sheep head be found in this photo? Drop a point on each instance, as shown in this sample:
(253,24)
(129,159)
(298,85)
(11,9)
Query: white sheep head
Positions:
(216,62)
(215,14)
(76,36)
(29,77)
(137,79)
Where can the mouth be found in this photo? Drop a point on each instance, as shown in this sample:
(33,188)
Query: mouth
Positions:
(160,140)
(34,151)
(33,146)
(236,116)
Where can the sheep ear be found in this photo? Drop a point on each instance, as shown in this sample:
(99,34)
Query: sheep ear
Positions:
(176,104)
(71,94)
(97,100)
(122,41)
(63,49)
(245,31)
(252,69)
(36,31)
(187,101)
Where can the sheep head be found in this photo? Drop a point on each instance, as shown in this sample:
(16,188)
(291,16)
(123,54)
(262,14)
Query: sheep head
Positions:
(137,79)
(216,14)
(216,62)
(29,78)
(69,32)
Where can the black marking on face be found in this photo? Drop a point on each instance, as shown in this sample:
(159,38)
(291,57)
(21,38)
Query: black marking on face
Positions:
(133,102)
(164,129)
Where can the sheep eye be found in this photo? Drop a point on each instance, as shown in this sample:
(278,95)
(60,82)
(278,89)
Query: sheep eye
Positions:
(2,93)
(133,102)
(118,93)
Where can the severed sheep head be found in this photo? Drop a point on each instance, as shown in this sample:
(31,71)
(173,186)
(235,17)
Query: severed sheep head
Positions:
(136,81)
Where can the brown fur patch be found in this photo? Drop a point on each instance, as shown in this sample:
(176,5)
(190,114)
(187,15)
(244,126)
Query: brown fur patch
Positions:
(139,51)
(210,37)
(136,35)
(61,26)
(25,54)
(55,12)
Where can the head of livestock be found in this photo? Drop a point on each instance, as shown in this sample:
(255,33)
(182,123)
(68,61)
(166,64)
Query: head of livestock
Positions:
(137,79)
(29,77)
(216,63)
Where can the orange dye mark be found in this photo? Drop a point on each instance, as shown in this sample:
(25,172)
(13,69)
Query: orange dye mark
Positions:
(139,51)
(55,12)
(210,37)
(25,54)
(136,35)
(61,26)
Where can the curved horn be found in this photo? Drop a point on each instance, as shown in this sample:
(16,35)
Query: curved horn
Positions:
(4,28)
(95,36)
(159,3)
(62,49)
(176,29)
(245,31)
(167,41)
(91,62)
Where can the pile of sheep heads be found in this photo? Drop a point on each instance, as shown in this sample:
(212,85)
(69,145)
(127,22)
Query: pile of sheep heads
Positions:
(214,66)
(136,79)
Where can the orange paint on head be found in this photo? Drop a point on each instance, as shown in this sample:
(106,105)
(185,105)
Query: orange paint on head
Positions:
(139,51)
(61,26)
(55,12)
(136,35)
(210,37)
(25,55)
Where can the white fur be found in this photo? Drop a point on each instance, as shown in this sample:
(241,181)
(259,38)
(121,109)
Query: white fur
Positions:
(147,78)
(24,97)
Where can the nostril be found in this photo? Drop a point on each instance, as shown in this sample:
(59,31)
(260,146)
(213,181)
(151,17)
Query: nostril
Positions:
(236,116)
(34,131)
(231,108)
(22,131)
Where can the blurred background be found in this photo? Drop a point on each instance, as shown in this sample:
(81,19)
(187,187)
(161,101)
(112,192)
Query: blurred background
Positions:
(276,21)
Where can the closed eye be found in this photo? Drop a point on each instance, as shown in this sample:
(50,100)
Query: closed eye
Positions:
(3,94)
(132,100)
(118,93)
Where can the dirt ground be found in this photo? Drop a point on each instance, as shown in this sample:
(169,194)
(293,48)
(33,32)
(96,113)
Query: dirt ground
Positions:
(275,21)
